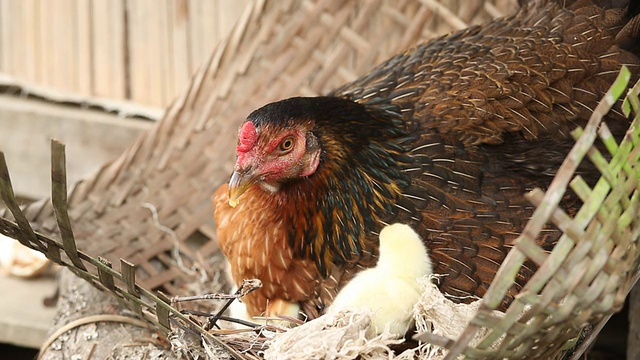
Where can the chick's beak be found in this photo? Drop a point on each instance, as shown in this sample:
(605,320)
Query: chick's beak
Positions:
(241,180)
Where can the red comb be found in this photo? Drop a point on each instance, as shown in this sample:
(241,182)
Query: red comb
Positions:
(247,137)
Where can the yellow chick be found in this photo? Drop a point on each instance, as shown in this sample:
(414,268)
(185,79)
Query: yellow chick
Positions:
(390,289)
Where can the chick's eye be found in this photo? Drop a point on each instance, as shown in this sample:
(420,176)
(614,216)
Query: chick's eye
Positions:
(286,144)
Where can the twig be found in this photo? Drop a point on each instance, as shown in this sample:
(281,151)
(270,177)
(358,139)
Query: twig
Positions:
(244,289)
(221,317)
(247,287)
(176,244)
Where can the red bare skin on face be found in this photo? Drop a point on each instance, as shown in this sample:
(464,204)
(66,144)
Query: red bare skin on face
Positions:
(247,138)
(268,160)
(286,162)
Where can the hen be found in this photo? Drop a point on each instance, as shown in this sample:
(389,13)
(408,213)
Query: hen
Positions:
(445,137)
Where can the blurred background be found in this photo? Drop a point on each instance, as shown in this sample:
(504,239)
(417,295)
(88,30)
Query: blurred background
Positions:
(97,73)
(93,74)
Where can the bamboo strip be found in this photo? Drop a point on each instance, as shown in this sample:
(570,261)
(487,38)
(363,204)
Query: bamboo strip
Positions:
(59,199)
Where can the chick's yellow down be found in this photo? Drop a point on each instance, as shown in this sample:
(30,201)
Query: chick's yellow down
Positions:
(390,289)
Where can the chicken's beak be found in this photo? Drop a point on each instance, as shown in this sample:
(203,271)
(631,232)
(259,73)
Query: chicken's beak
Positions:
(241,180)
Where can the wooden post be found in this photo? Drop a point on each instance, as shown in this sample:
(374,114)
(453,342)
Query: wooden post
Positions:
(98,339)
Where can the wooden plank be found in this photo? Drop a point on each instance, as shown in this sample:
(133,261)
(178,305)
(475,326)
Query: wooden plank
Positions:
(24,319)
(32,40)
(152,64)
(82,46)
(12,38)
(108,49)
(195,26)
(145,74)
(179,47)
(136,48)
(4,35)
(210,21)
(46,43)
(38,43)
(164,58)
(210,36)
(92,138)
(63,28)
(15,40)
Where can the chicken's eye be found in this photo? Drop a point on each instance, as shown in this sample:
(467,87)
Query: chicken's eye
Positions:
(286,144)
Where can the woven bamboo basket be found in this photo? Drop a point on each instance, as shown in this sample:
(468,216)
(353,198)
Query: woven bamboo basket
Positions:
(149,211)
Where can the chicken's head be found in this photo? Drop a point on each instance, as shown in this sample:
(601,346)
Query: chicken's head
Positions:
(271,152)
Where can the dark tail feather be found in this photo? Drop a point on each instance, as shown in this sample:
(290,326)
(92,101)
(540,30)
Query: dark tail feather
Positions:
(629,37)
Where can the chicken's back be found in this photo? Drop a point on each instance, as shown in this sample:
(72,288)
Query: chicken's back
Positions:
(490,110)
(536,73)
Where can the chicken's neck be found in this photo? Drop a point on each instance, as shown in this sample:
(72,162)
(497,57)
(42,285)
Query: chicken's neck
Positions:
(335,214)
